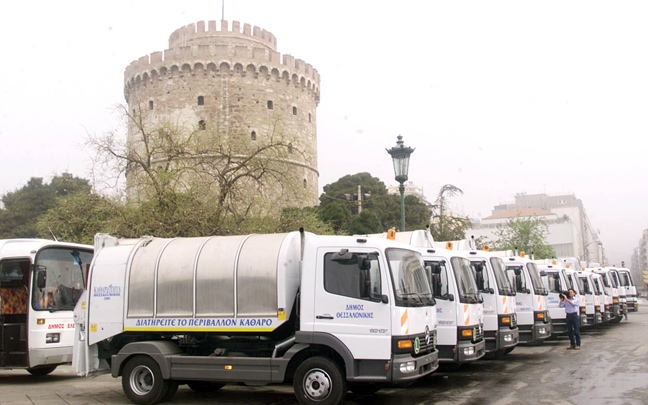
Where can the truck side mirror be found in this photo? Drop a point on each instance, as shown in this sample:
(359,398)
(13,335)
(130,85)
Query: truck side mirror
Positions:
(450,297)
(384,299)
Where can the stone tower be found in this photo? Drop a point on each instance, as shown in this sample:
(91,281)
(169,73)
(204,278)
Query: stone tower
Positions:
(233,82)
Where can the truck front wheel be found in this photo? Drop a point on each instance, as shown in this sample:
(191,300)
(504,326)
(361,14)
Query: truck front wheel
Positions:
(142,381)
(319,380)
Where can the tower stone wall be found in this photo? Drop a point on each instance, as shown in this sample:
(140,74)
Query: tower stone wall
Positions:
(233,82)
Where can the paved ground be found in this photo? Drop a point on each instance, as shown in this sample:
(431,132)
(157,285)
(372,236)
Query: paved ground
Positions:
(612,368)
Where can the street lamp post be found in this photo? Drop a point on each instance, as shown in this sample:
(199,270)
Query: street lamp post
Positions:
(401,155)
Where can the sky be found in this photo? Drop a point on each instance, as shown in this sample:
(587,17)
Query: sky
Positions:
(497,97)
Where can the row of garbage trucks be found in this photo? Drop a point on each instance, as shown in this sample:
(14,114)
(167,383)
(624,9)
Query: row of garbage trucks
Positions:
(327,314)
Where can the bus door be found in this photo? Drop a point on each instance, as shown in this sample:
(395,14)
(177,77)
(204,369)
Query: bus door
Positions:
(14,301)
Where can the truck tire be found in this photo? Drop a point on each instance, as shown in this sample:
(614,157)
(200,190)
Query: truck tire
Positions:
(41,370)
(142,381)
(319,380)
(205,386)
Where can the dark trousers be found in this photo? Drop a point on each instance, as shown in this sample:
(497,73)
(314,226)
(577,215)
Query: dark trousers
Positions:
(573,329)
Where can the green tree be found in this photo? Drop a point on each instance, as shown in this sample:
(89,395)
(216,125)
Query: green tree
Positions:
(445,225)
(77,217)
(527,234)
(184,181)
(340,209)
(23,207)
(294,218)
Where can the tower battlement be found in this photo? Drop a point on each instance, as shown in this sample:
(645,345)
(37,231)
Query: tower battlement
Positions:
(230,80)
(199,34)
(193,44)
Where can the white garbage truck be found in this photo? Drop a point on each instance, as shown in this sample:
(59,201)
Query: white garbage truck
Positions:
(631,290)
(459,305)
(501,332)
(327,313)
(532,307)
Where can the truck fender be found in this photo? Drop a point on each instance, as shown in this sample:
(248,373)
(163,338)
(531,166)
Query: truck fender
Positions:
(332,342)
(158,350)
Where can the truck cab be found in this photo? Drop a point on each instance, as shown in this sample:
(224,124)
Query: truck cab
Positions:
(572,280)
(501,332)
(592,298)
(458,305)
(607,313)
(623,291)
(612,291)
(532,306)
(553,278)
(631,290)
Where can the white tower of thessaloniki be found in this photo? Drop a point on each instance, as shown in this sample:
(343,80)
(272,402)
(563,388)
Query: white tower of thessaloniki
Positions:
(233,82)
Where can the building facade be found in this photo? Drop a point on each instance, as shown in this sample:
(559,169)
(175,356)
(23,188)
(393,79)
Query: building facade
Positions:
(570,231)
(229,86)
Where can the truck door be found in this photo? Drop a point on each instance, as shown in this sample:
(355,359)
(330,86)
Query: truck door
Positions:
(441,282)
(14,301)
(349,304)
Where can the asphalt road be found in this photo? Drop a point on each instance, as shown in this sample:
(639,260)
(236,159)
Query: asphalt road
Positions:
(611,368)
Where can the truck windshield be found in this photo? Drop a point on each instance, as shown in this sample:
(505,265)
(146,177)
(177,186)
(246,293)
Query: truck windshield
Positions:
(597,287)
(58,278)
(625,278)
(466,286)
(604,280)
(584,285)
(503,283)
(615,279)
(411,285)
(535,279)
(553,283)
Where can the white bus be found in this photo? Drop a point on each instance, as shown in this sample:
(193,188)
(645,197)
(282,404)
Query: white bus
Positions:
(40,283)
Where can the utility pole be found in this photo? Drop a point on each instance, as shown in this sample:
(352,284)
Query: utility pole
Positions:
(359,198)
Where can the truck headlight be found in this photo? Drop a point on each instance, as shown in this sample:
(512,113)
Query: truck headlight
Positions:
(408,367)
(53,338)
(542,330)
(508,337)
(468,351)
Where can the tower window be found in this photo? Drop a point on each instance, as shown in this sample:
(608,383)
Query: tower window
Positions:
(290,148)
(294,110)
(305,183)
(253,135)
(201,100)
(309,117)
(270,105)
(151,105)
(202,125)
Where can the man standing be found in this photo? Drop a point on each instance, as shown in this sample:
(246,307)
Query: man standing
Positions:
(571,304)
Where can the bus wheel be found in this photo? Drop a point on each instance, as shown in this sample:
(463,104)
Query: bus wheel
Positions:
(41,370)
(319,380)
(142,381)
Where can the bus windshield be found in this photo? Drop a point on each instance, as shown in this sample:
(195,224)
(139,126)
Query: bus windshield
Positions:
(58,278)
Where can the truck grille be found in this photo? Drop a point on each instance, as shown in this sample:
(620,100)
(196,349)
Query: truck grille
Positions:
(478,333)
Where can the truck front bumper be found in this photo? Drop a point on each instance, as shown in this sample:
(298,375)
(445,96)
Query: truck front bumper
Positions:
(406,368)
